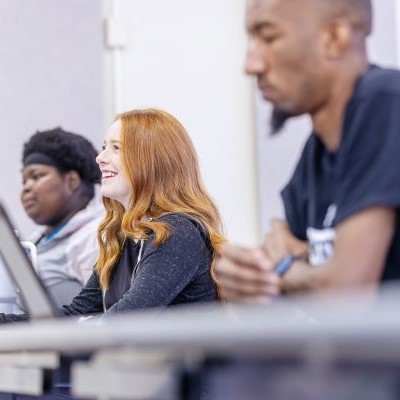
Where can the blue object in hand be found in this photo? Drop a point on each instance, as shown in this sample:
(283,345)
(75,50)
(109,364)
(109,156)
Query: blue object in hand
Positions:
(284,265)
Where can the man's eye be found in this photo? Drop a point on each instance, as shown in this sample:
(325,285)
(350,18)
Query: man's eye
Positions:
(269,39)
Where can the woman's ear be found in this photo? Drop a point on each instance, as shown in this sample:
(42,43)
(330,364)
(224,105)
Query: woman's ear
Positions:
(73,180)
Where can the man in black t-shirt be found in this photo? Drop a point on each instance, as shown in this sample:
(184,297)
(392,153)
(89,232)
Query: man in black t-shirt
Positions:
(342,202)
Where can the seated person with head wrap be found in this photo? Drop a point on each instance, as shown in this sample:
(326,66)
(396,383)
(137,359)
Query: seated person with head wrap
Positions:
(59,173)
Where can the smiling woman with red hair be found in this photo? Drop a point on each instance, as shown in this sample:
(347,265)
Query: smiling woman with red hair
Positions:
(160,224)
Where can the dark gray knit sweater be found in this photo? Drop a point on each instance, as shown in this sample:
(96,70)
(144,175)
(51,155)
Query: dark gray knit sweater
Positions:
(176,272)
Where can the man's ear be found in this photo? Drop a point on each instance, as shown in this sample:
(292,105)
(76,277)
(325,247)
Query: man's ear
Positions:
(337,38)
(73,180)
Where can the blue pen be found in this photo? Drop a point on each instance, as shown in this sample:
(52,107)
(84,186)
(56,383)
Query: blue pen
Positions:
(284,265)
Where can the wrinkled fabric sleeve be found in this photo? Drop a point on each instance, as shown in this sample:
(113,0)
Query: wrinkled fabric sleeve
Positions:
(10,318)
(88,301)
(369,169)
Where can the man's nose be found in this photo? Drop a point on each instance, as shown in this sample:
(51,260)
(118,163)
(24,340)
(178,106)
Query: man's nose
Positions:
(256,62)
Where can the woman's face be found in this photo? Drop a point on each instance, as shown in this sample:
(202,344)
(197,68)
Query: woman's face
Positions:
(46,194)
(114,183)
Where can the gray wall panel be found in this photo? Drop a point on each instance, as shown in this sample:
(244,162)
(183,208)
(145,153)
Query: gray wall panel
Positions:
(51,73)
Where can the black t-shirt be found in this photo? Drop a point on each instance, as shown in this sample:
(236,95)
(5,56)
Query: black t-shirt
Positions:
(326,188)
(121,277)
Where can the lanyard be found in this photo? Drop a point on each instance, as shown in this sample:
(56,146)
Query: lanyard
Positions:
(51,235)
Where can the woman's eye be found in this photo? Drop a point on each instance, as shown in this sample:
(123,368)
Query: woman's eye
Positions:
(34,177)
(103,147)
(115,147)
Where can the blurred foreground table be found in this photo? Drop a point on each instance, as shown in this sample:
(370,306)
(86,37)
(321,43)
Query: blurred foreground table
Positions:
(305,348)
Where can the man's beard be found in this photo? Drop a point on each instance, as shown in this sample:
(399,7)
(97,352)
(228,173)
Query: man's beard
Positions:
(278,120)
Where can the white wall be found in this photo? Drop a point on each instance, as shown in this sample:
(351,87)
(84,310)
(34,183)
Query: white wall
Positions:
(278,155)
(397,24)
(385,40)
(187,57)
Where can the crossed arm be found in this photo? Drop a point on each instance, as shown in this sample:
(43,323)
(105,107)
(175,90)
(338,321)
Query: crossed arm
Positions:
(360,250)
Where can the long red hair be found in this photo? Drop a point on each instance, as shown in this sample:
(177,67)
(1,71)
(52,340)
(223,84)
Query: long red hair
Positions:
(160,163)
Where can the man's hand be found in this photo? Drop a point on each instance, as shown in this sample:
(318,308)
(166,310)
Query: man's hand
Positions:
(246,274)
(280,242)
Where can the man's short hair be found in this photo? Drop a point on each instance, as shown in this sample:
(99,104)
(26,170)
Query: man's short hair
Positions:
(70,152)
(359,11)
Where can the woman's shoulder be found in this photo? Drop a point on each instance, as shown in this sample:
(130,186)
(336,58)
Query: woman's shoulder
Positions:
(186,236)
(184,230)
(181,223)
